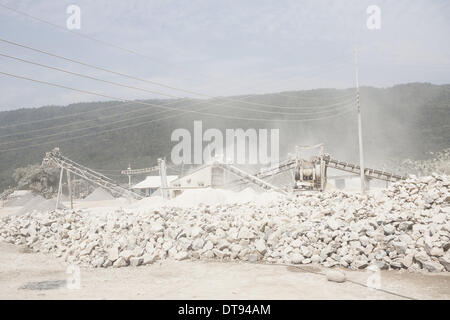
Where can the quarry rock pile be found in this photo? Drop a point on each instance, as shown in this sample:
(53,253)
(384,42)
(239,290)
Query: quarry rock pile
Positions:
(81,188)
(99,194)
(406,226)
(438,163)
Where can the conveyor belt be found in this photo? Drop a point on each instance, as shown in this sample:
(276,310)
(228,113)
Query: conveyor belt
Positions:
(55,158)
(250,178)
(369,173)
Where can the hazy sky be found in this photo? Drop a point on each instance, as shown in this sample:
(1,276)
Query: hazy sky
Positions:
(220,47)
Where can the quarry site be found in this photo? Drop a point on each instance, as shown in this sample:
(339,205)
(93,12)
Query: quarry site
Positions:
(233,228)
(209,150)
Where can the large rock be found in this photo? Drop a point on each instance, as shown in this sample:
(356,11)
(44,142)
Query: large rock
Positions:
(432,266)
(113,254)
(197,244)
(388,229)
(336,276)
(148,258)
(135,261)
(296,258)
(245,233)
(445,261)
(121,262)
(436,252)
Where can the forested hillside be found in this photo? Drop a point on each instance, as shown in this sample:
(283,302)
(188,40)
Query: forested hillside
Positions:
(404,121)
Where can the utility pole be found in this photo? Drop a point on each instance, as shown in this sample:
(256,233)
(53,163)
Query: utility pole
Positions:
(361,154)
(129,176)
(164,185)
(59,188)
(69,186)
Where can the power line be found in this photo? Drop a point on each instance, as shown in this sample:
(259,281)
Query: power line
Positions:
(80,34)
(65,116)
(335,105)
(70,124)
(89,120)
(96,133)
(162,106)
(146,122)
(86,76)
(86,128)
(144,80)
(304,75)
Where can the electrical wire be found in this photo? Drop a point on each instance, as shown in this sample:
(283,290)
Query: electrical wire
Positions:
(335,105)
(98,40)
(65,116)
(89,135)
(170,108)
(145,80)
(100,118)
(86,128)
(80,34)
(86,76)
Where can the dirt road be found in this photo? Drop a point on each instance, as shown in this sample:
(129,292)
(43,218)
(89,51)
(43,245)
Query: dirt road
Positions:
(25,275)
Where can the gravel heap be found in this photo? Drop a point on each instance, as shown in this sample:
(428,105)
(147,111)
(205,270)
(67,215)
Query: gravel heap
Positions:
(438,163)
(404,227)
(99,194)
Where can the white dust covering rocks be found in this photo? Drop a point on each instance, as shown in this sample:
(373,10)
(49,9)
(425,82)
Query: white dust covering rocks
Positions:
(406,226)
(98,195)
(39,204)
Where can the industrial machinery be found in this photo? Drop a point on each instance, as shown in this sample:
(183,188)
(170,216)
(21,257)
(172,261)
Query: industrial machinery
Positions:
(312,174)
(56,159)
(307,174)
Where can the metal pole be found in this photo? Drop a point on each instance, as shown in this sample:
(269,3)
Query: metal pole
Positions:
(361,153)
(59,188)
(69,186)
(129,176)
(164,185)
(322,170)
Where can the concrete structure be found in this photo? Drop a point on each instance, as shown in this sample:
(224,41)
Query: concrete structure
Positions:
(151,183)
(207,176)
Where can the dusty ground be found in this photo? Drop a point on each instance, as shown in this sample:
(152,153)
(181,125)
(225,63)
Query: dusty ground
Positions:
(200,280)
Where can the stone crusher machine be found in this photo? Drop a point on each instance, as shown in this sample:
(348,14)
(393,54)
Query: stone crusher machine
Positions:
(312,174)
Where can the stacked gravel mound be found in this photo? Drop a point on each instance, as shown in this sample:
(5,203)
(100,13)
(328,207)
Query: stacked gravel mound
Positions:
(99,194)
(439,163)
(404,227)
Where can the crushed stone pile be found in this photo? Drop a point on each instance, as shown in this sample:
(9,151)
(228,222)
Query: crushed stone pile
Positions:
(406,226)
(39,204)
(438,163)
(208,196)
(19,198)
(99,194)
